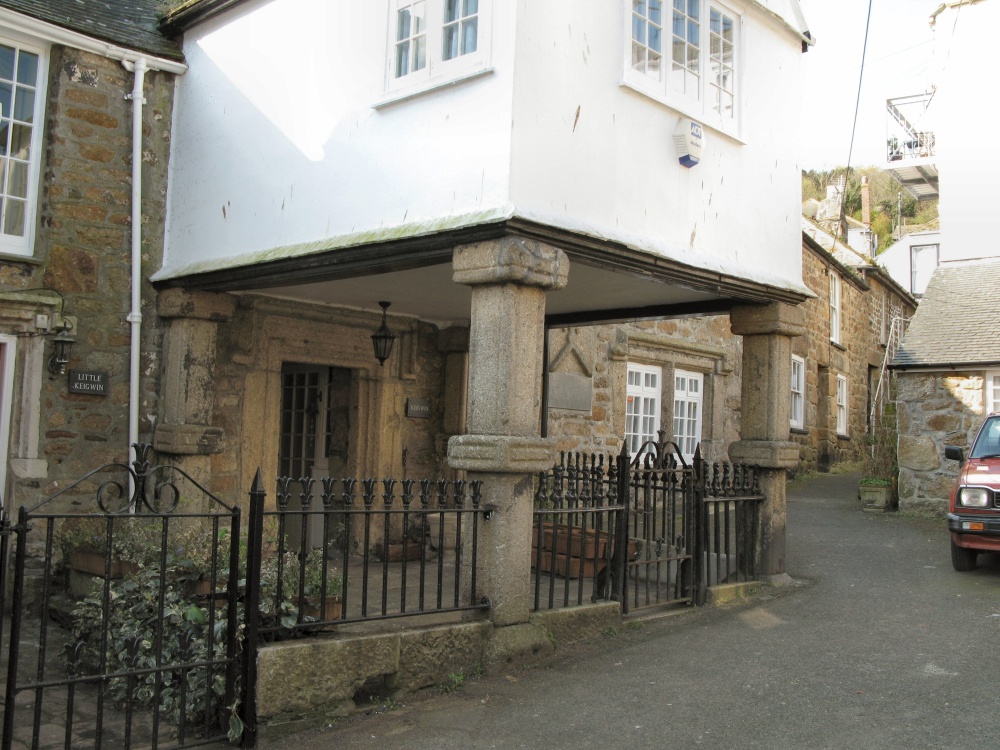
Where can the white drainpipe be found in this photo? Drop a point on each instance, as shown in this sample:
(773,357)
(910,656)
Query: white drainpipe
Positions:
(135,315)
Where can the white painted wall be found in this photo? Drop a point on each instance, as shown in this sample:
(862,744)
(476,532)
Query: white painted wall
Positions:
(964,111)
(276,141)
(897,260)
(616,174)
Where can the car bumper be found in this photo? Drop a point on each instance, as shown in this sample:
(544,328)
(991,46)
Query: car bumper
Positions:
(978,531)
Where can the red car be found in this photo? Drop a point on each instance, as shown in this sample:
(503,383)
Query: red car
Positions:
(974,505)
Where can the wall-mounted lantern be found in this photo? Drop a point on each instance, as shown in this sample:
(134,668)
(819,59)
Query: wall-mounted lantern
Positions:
(62,346)
(383,338)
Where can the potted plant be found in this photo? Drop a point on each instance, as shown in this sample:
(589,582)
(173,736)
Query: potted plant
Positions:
(878,478)
(84,544)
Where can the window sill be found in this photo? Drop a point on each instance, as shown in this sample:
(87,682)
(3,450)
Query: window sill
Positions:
(684,111)
(838,345)
(798,431)
(15,258)
(427,87)
(843,437)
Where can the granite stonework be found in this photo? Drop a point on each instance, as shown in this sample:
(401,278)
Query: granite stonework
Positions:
(868,305)
(934,410)
(82,250)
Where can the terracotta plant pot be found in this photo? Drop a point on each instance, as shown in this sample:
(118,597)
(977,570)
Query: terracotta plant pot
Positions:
(92,563)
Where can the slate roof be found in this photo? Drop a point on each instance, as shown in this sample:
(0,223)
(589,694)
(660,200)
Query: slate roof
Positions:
(958,321)
(124,23)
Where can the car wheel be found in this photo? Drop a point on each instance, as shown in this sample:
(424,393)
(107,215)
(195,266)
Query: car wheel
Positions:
(963,559)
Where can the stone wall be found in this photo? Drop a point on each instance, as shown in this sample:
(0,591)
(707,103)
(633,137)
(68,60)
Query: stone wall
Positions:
(82,250)
(934,410)
(859,357)
(594,360)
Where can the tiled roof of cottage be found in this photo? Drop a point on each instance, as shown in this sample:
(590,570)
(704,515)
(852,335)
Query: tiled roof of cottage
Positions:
(956,324)
(124,23)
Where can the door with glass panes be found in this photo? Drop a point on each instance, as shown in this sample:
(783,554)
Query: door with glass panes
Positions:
(315,431)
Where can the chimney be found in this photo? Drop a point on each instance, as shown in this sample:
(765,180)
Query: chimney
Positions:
(866,203)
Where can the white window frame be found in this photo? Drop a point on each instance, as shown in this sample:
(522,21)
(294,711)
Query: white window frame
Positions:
(437,71)
(657,83)
(835,307)
(842,405)
(991,384)
(796,419)
(689,389)
(23,245)
(643,392)
(918,283)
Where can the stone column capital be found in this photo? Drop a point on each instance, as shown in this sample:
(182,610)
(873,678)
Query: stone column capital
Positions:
(501,454)
(178,303)
(768,454)
(511,260)
(775,318)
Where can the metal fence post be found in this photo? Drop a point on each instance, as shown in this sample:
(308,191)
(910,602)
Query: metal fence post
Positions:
(695,498)
(255,534)
(619,561)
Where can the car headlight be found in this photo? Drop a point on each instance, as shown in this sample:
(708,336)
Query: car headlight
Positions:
(973,497)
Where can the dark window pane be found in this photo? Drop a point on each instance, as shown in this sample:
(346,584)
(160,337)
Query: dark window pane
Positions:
(24,104)
(450,11)
(27,68)
(17,179)
(5,99)
(13,217)
(470,36)
(20,142)
(449,47)
(6,62)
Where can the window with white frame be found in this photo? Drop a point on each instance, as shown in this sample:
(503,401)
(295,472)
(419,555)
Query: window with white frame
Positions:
(992,384)
(835,308)
(688,387)
(685,53)
(434,42)
(841,405)
(797,413)
(21,106)
(924,261)
(642,405)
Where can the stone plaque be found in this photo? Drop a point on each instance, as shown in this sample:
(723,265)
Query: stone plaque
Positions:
(418,408)
(571,392)
(88,381)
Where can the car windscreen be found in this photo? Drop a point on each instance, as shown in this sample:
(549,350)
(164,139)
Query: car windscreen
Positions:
(987,443)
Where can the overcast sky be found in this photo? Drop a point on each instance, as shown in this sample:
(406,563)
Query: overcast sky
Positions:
(897,64)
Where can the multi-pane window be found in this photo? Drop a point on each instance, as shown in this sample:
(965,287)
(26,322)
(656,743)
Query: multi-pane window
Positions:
(992,392)
(835,308)
(700,74)
(688,388)
(722,62)
(642,406)
(435,41)
(797,413)
(461,28)
(647,37)
(20,114)
(685,46)
(841,405)
(411,38)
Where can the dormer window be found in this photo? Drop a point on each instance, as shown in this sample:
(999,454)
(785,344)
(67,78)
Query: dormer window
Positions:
(433,42)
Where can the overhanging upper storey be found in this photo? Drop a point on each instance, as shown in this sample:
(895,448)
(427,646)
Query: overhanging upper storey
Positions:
(911,145)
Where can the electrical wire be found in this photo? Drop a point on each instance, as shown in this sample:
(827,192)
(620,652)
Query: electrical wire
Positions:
(854,126)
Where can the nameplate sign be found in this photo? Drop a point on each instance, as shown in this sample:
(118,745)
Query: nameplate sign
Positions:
(418,408)
(89,382)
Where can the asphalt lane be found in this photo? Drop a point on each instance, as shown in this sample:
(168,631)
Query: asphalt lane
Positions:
(875,643)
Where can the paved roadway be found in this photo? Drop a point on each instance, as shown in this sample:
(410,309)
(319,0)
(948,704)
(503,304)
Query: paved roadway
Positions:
(877,644)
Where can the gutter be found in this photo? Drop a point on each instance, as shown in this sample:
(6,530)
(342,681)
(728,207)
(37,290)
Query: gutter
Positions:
(42,29)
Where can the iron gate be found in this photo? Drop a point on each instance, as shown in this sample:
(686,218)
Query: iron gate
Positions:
(151,659)
(647,531)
